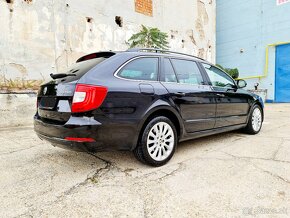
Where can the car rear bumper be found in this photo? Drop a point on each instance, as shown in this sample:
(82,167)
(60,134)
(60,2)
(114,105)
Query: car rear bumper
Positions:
(56,134)
(70,145)
(106,136)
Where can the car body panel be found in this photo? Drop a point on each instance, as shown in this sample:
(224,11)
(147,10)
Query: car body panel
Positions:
(118,122)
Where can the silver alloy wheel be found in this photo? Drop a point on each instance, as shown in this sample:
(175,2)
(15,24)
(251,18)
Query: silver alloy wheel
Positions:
(256,119)
(160,141)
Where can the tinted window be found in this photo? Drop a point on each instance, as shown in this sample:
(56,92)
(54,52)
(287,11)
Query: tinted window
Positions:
(169,74)
(218,77)
(80,68)
(187,72)
(140,69)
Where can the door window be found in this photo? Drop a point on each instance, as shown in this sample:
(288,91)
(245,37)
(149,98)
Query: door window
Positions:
(169,74)
(217,77)
(187,72)
(141,69)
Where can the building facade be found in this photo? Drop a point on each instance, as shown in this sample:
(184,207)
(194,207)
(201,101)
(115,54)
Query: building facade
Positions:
(39,37)
(254,36)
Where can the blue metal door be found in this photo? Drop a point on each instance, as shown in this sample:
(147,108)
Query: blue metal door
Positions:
(282,84)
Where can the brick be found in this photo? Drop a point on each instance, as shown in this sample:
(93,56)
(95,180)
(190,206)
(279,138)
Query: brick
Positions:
(144,7)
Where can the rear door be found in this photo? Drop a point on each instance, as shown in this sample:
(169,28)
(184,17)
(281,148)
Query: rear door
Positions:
(190,93)
(232,105)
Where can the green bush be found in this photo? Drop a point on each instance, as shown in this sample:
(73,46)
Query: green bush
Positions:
(149,38)
(234,73)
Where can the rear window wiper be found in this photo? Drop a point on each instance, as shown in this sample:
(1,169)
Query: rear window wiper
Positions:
(60,75)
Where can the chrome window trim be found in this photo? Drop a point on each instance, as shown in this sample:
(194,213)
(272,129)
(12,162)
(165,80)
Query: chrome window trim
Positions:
(154,81)
(135,80)
(177,83)
(234,82)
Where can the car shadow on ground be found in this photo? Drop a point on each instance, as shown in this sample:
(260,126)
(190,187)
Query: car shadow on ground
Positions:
(126,159)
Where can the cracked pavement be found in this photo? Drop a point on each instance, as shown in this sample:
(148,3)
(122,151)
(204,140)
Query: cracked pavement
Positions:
(226,175)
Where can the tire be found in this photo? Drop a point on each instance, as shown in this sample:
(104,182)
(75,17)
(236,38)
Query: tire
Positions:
(138,153)
(157,142)
(255,121)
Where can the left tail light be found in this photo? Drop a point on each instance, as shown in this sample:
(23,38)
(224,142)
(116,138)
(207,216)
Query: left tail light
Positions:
(88,97)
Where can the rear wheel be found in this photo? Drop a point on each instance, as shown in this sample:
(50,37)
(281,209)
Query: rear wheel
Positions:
(255,121)
(157,142)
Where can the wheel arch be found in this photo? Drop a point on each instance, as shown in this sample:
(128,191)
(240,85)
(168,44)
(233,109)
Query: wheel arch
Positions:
(161,110)
(256,102)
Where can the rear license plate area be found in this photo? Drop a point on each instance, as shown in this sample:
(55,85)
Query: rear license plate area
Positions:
(47,102)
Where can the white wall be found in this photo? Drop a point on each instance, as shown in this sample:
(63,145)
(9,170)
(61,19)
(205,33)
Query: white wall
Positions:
(39,37)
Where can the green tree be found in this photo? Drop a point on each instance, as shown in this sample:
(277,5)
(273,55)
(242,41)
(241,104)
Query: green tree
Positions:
(149,38)
(234,73)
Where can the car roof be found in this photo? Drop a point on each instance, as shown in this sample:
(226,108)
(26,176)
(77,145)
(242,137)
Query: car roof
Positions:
(143,52)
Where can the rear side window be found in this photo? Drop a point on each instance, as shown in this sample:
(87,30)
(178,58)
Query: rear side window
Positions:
(80,68)
(140,69)
(187,72)
(169,74)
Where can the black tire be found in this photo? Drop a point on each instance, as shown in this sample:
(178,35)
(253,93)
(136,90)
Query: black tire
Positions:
(249,129)
(138,153)
(141,152)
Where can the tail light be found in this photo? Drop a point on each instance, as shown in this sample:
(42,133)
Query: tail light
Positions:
(88,97)
(79,139)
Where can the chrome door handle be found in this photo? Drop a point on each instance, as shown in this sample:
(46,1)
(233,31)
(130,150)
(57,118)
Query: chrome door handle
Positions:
(180,94)
(220,95)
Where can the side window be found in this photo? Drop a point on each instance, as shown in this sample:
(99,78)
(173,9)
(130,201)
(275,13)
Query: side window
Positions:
(140,69)
(187,72)
(217,77)
(169,75)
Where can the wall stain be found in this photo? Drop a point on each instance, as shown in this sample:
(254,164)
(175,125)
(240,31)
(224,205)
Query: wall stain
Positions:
(20,68)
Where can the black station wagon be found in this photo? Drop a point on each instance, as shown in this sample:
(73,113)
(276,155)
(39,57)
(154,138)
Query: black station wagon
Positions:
(142,100)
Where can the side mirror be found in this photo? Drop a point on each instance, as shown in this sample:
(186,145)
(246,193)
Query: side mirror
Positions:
(241,83)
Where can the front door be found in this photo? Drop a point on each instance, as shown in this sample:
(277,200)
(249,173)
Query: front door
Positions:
(194,99)
(282,84)
(232,104)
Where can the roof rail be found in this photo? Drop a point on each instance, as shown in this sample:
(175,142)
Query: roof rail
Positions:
(161,51)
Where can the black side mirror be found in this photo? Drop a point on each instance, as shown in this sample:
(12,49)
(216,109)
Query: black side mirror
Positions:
(241,83)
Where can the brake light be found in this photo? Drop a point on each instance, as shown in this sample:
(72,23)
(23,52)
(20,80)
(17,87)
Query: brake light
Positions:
(88,97)
(79,139)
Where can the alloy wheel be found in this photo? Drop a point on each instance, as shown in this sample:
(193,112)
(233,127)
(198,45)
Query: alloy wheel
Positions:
(256,119)
(160,141)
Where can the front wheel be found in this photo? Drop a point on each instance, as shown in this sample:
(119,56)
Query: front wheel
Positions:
(255,121)
(157,142)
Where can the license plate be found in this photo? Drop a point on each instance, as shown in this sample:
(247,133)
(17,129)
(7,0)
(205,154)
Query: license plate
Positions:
(47,102)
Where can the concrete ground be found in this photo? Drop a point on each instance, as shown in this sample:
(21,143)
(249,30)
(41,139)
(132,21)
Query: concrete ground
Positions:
(227,175)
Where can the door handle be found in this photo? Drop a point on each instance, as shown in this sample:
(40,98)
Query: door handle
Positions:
(180,94)
(220,95)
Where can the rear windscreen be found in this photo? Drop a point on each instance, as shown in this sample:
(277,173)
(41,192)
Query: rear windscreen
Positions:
(80,68)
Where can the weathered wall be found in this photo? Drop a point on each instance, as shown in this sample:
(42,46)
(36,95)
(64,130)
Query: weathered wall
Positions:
(17,109)
(244,29)
(39,37)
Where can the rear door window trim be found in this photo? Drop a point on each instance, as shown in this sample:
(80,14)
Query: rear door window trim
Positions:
(136,80)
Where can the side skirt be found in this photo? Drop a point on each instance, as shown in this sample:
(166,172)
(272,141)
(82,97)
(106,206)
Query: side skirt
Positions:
(200,134)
